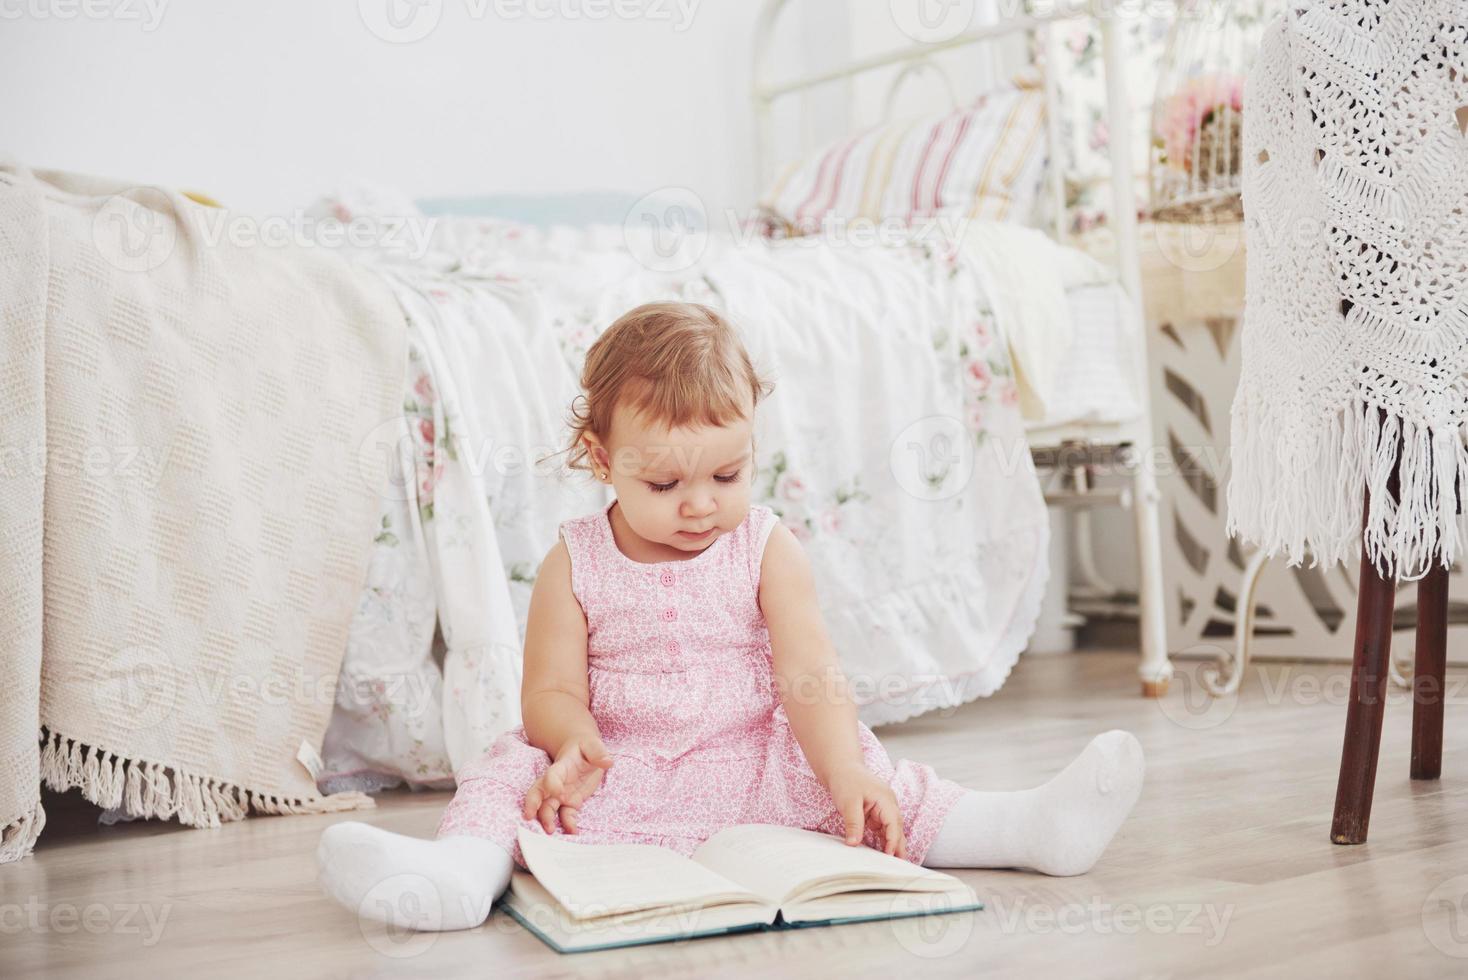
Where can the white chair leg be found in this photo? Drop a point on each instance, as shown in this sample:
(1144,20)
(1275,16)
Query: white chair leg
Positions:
(1097,586)
(1155,669)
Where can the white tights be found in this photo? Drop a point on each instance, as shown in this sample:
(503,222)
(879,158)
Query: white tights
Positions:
(1059,828)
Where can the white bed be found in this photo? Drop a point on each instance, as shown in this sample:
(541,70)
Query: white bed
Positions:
(500,314)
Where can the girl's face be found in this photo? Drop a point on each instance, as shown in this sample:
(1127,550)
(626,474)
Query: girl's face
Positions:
(678,488)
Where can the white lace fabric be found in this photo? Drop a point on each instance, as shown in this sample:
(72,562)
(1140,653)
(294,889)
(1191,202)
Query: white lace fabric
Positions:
(1355,185)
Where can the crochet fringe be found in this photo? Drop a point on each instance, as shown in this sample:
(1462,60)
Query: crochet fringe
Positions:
(1271,501)
(19,839)
(149,789)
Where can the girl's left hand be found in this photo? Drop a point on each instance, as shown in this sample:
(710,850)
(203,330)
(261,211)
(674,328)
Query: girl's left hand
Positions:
(865,801)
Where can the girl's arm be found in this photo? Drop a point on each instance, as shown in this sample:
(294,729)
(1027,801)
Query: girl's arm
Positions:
(822,716)
(556,690)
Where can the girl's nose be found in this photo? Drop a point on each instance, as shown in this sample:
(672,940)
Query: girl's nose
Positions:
(696,507)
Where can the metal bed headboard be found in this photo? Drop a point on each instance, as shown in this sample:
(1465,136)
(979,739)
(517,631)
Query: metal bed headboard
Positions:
(1154,670)
(767,89)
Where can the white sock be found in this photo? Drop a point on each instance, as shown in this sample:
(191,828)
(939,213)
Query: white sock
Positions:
(1059,828)
(411,883)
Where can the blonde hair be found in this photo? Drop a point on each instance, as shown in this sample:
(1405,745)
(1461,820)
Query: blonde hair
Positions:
(675,363)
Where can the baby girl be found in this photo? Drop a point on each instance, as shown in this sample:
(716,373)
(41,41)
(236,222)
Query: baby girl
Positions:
(679,678)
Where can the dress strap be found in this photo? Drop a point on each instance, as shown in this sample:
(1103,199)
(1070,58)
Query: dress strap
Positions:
(762,521)
(584,542)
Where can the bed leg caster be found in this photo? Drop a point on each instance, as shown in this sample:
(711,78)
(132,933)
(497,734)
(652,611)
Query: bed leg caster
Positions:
(1155,689)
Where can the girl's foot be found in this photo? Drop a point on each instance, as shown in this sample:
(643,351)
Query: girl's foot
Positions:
(1080,810)
(1059,828)
(411,883)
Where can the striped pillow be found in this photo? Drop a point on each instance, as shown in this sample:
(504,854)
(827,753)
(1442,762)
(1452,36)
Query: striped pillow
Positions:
(984,160)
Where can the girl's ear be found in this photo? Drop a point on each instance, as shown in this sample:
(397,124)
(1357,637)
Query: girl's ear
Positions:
(597,454)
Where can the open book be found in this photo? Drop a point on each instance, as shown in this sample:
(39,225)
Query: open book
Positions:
(749,877)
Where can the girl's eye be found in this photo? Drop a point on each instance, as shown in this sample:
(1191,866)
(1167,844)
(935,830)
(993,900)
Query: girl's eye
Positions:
(665,487)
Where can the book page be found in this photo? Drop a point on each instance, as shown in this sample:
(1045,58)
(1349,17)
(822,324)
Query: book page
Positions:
(530,904)
(782,863)
(591,880)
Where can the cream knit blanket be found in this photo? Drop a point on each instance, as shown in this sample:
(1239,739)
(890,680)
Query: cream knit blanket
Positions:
(1355,183)
(185,517)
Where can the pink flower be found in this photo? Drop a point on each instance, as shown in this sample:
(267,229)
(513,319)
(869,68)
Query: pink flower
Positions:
(1009,393)
(981,331)
(791,488)
(425,429)
(424,387)
(340,211)
(974,418)
(978,375)
(1184,112)
(1100,135)
(831,520)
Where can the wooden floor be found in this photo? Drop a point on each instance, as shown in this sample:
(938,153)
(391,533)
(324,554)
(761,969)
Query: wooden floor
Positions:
(1225,867)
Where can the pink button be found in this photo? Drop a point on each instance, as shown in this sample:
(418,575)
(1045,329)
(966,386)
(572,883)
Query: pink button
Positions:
(667,578)
(672,646)
(670,614)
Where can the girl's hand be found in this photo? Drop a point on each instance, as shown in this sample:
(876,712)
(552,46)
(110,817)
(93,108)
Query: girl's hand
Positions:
(571,778)
(865,801)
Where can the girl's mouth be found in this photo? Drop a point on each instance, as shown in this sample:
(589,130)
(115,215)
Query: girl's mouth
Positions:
(690,536)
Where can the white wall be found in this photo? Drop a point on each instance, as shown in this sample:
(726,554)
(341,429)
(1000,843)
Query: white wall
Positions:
(266,104)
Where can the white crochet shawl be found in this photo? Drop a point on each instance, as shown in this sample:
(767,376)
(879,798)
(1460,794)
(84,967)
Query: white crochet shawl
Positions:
(1355,187)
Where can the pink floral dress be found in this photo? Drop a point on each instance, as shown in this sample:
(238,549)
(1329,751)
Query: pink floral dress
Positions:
(684,696)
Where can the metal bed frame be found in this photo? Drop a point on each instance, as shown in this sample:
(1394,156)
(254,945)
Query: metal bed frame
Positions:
(1129,443)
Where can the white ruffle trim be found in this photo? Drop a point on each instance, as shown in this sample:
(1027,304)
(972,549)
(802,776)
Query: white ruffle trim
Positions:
(941,607)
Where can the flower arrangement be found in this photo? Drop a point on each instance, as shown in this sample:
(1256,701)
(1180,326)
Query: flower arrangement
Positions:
(1191,127)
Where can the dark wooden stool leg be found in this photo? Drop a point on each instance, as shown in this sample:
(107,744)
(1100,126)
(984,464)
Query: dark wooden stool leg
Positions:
(1375,599)
(1430,674)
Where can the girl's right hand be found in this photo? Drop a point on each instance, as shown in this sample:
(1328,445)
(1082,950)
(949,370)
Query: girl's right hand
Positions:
(564,786)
